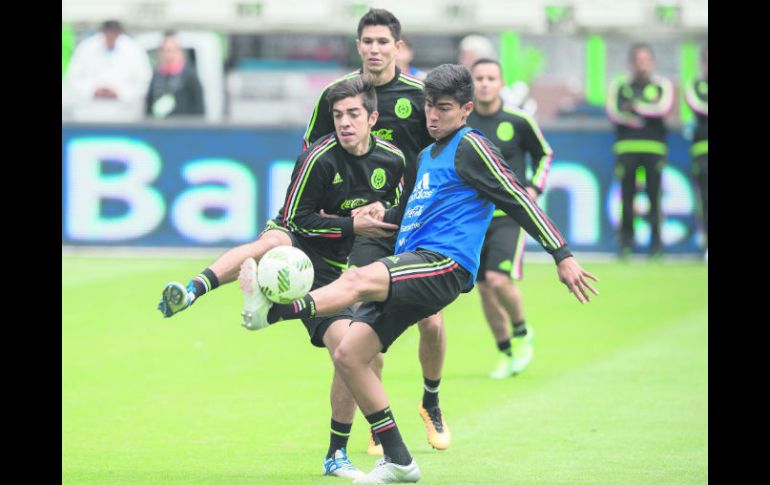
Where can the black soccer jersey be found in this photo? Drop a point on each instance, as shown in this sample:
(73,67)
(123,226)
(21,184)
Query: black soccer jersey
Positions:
(516,133)
(401,107)
(697,97)
(637,109)
(326,177)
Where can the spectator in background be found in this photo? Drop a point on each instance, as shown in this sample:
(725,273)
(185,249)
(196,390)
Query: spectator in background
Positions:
(474,47)
(404,57)
(107,77)
(636,105)
(175,89)
(697,95)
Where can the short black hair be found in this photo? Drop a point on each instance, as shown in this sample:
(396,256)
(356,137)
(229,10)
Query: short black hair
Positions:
(638,47)
(111,26)
(380,16)
(451,80)
(487,60)
(363,85)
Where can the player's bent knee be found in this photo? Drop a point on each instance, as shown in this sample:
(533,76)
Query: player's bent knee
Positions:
(497,280)
(369,283)
(431,325)
(269,240)
(343,359)
(359,282)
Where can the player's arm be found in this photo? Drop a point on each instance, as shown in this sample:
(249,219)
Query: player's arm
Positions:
(618,106)
(660,107)
(321,122)
(394,195)
(309,181)
(540,152)
(482,165)
(694,101)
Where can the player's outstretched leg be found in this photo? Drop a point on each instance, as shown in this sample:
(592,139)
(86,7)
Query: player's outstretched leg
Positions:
(255,304)
(174,299)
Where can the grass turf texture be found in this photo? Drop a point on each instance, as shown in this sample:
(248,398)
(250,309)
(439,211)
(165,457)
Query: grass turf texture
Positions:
(616,393)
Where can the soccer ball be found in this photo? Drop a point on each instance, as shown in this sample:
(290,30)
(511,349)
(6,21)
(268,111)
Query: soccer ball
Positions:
(285,274)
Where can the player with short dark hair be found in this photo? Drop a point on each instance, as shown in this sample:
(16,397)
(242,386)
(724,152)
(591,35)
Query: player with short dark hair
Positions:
(338,173)
(400,103)
(518,136)
(461,178)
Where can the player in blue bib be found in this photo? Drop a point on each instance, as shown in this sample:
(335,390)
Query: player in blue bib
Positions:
(462,177)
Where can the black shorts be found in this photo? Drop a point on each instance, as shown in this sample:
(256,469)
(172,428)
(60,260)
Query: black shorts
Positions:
(324,273)
(367,250)
(503,249)
(421,283)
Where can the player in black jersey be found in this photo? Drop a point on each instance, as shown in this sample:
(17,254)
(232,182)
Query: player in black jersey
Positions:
(341,171)
(637,105)
(517,135)
(697,96)
(401,105)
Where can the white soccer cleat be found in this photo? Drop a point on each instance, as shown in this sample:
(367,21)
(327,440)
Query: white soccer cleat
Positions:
(255,304)
(387,472)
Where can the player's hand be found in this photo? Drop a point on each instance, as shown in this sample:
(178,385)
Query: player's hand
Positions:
(364,225)
(375,210)
(574,277)
(328,216)
(532,193)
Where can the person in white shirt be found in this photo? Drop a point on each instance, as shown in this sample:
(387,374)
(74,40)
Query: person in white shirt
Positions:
(107,78)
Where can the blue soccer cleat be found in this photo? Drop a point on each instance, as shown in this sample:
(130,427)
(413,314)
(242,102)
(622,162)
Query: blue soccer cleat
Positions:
(175,299)
(339,465)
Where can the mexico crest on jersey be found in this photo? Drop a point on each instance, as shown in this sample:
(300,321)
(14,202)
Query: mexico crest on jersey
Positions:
(403,108)
(378,178)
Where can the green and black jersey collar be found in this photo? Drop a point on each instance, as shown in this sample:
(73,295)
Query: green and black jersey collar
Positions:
(372,146)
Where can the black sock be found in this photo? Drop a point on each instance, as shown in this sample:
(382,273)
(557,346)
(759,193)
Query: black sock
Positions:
(384,426)
(203,283)
(505,347)
(340,433)
(375,438)
(519,329)
(304,308)
(430,393)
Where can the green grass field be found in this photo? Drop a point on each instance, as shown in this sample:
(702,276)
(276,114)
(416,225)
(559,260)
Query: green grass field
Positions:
(616,393)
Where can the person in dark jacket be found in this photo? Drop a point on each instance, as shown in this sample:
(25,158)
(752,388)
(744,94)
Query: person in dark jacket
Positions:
(175,89)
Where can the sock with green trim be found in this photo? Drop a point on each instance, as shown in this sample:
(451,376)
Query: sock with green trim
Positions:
(384,426)
(339,434)
(203,283)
